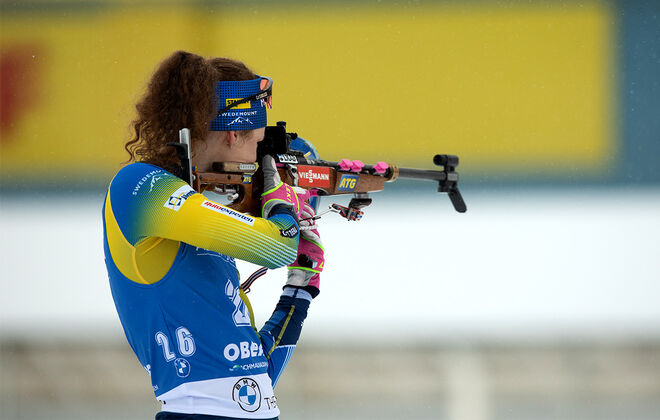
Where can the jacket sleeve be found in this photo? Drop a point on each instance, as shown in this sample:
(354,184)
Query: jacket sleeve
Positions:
(147,201)
(281,332)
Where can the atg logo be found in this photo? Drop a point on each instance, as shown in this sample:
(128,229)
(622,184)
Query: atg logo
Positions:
(347,182)
(247,394)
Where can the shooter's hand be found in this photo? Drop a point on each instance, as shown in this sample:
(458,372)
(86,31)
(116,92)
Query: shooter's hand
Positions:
(305,271)
(278,193)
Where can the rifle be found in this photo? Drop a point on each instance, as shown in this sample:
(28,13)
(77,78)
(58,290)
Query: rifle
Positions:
(303,168)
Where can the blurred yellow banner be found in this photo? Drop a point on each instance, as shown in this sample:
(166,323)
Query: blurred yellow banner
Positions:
(530,86)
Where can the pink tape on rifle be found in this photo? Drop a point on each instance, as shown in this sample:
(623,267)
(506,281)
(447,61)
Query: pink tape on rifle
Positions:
(381,167)
(345,164)
(357,166)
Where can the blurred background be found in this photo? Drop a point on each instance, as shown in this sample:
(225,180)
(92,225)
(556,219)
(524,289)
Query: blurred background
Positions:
(541,302)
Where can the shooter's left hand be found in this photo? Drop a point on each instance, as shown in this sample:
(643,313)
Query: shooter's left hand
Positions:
(305,271)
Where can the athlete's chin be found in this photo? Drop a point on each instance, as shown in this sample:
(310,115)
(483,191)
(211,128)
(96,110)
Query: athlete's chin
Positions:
(251,159)
(248,159)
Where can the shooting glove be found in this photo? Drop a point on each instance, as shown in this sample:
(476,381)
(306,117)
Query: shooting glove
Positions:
(306,269)
(278,193)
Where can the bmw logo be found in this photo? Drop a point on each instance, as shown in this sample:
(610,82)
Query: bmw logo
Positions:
(182,367)
(247,394)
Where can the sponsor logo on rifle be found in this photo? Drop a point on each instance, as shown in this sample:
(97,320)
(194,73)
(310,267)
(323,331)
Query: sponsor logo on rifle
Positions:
(287,159)
(247,167)
(247,179)
(347,182)
(290,232)
(313,176)
(178,197)
(228,212)
(247,394)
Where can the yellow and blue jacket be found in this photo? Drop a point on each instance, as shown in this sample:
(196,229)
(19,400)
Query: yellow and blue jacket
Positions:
(170,255)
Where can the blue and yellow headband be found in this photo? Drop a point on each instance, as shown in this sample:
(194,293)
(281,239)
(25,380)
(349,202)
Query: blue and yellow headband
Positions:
(242,104)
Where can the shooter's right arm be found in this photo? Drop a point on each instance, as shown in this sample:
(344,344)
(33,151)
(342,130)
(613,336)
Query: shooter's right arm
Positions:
(146,201)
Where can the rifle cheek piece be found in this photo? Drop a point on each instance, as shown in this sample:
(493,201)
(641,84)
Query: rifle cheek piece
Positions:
(183,150)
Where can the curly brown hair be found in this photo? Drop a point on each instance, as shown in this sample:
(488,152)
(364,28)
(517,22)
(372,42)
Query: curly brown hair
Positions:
(181,93)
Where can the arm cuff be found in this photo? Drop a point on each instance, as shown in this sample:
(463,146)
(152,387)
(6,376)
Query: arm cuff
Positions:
(297,293)
(282,209)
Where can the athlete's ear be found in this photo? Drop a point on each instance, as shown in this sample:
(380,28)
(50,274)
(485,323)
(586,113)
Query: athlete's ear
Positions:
(232,136)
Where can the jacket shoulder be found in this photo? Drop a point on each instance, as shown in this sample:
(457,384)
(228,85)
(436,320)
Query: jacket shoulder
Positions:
(132,178)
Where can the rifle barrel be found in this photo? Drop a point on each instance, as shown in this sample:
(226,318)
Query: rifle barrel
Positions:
(423,174)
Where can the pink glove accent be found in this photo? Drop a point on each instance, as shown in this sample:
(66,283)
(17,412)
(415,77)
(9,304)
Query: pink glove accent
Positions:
(310,253)
(276,192)
(381,167)
(345,165)
(356,166)
(282,194)
(311,260)
(315,282)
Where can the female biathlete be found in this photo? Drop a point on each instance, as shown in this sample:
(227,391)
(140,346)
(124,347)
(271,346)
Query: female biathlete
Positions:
(170,251)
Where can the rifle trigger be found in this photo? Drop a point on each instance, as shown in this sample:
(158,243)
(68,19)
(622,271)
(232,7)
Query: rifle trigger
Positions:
(348,213)
(318,215)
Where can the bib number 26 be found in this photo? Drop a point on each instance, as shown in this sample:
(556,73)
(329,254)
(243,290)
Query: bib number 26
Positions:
(184,342)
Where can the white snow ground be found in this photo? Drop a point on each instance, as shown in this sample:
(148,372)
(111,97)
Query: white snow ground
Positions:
(522,265)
